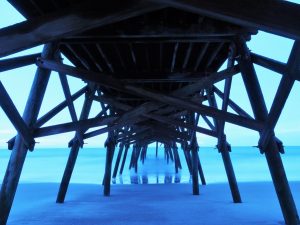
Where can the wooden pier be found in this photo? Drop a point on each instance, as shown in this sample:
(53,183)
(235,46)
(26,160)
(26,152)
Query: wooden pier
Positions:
(152,66)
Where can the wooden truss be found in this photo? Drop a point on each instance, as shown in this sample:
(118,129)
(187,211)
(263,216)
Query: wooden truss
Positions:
(154,78)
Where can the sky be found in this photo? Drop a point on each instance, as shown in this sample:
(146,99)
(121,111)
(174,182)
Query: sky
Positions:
(18,82)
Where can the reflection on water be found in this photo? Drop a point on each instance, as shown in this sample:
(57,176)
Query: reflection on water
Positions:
(136,178)
(143,179)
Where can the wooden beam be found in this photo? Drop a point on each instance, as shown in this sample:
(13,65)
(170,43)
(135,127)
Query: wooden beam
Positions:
(18,154)
(75,147)
(196,38)
(73,126)
(282,94)
(110,145)
(111,82)
(12,113)
(17,62)
(271,64)
(49,115)
(80,18)
(281,17)
(271,151)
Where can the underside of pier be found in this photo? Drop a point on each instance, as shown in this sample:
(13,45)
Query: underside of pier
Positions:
(152,66)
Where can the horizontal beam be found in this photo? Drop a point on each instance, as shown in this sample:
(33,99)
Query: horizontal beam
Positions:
(13,63)
(51,27)
(166,39)
(163,119)
(12,113)
(271,64)
(202,109)
(72,126)
(277,17)
(111,82)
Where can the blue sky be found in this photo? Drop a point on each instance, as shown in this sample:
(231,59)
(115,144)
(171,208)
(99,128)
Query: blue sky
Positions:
(18,83)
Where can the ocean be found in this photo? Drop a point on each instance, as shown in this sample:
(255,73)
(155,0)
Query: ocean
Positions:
(46,165)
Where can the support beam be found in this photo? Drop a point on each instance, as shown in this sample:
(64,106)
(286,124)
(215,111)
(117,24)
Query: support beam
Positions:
(73,126)
(74,151)
(75,20)
(271,64)
(223,146)
(121,147)
(12,113)
(110,149)
(272,154)
(17,62)
(194,150)
(248,13)
(45,118)
(124,159)
(282,94)
(18,154)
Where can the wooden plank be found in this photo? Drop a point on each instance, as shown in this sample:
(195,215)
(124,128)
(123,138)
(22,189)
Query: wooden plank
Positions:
(281,18)
(83,17)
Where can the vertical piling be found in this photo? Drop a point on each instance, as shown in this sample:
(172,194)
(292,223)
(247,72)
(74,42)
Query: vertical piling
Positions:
(74,151)
(121,147)
(271,150)
(110,149)
(19,151)
(124,158)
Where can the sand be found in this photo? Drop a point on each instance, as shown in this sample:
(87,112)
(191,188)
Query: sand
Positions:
(148,204)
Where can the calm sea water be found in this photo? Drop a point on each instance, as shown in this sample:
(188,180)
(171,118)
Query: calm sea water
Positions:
(47,165)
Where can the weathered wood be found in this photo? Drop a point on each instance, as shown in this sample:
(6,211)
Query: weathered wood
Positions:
(17,62)
(248,14)
(73,153)
(194,150)
(49,115)
(83,17)
(156,38)
(271,64)
(272,154)
(201,173)
(73,126)
(12,113)
(110,149)
(121,147)
(223,146)
(124,158)
(18,154)
(283,91)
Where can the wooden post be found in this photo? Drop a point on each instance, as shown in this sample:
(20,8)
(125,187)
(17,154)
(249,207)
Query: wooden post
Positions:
(230,174)
(201,174)
(18,154)
(271,151)
(121,147)
(194,149)
(74,151)
(110,149)
(124,158)
(223,146)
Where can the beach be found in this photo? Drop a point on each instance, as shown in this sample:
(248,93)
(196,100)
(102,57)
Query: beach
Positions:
(161,201)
